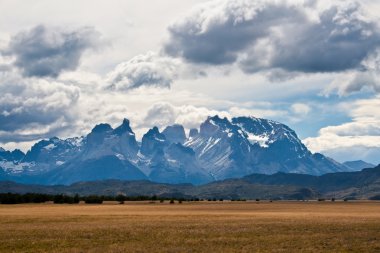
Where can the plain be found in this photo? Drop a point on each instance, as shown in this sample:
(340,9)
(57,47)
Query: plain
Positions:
(192,227)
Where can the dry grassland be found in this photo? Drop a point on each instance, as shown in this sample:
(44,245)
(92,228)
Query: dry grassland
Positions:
(192,227)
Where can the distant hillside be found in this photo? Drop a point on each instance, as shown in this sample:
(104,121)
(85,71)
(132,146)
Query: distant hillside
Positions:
(358,165)
(359,185)
(232,189)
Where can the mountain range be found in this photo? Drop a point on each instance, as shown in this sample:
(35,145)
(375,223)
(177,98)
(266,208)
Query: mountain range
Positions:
(220,149)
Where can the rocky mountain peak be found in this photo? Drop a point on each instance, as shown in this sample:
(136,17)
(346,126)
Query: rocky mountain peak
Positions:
(153,141)
(223,148)
(102,128)
(193,132)
(123,128)
(175,134)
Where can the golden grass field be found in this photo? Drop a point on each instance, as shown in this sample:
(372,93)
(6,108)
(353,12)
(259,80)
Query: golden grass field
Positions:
(192,227)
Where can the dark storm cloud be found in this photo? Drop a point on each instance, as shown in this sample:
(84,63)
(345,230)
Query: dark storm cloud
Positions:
(276,35)
(31,108)
(46,51)
(217,38)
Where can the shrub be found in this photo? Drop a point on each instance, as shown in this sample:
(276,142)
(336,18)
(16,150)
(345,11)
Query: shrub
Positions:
(120,198)
(376,197)
(93,200)
(76,199)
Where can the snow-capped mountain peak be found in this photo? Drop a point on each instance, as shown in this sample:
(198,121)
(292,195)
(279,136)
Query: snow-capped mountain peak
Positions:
(222,148)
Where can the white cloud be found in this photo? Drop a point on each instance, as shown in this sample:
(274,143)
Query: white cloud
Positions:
(362,134)
(149,69)
(300,109)
(368,78)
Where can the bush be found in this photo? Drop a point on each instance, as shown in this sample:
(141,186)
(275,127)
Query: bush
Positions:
(76,199)
(171,201)
(93,200)
(58,199)
(376,197)
(120,198)
(64,199)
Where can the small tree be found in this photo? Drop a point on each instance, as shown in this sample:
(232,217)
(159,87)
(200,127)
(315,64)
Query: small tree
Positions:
(58,199)
(93,200)
(120,198)
(76,199)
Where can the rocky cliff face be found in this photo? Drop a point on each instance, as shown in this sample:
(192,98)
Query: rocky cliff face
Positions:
(221,149)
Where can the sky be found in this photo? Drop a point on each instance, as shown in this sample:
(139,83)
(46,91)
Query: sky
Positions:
(66,66)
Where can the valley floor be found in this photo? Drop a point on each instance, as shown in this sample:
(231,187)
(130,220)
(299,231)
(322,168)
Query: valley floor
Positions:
(192,227)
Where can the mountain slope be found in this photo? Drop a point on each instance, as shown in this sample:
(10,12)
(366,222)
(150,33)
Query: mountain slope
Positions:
(248,145)
(233,189)
(364,184)
(358,165)
(360,184)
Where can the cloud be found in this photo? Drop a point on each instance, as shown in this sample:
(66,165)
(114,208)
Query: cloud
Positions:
(362,134)
(300,109)
(368,78)
(279,36)
(33,108)
(163,114)
(148,69)
(48,51)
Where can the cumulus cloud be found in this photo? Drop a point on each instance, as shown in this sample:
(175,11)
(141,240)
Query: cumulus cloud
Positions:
(367,78)
(290,36)
(148,69)
(362,134)
(163,114)
(33,108)
(47,51)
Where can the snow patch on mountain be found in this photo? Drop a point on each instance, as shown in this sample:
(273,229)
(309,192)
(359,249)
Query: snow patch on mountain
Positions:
(262,140)
(15,168)
(222,148)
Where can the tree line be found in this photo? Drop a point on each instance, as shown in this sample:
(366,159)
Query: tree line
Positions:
(16,198)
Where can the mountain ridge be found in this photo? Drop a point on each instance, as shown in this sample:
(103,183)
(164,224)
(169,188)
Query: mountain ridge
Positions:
(220,149)
(364,184)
